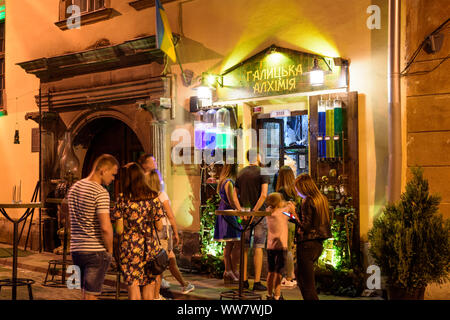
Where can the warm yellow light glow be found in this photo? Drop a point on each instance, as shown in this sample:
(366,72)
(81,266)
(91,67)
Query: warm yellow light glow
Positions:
(275,58)
(285,23)
(316,77)
(204,92)
(211,79)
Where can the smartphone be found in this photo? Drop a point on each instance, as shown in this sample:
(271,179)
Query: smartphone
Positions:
(289,215)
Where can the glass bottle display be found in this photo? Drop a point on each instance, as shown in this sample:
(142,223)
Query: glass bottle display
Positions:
(322,152)
(199,130)
(329,118)
(210,129)
(223,130)
(338,128)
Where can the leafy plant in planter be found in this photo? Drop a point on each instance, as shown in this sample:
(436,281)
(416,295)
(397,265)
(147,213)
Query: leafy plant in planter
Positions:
(212,251)
(410,241)
(342,276)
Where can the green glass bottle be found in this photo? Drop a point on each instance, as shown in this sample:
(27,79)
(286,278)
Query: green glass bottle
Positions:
(329,119)
(338,128)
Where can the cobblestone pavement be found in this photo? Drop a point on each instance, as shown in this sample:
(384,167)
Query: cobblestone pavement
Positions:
(40,292)
(35,267)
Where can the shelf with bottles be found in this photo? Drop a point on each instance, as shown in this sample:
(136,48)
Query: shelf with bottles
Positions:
(334,187)
(330,133)
(335,167)
(214,128)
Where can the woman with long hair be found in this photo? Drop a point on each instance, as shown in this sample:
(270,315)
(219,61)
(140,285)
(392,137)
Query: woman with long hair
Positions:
(165,236)
(314,228)
(286,186)
(286,183)
(227,227)
(137,212)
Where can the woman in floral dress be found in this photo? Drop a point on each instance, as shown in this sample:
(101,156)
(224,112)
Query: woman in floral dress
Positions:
(137,213)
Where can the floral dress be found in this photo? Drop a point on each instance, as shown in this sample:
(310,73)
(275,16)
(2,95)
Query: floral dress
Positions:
(139,244)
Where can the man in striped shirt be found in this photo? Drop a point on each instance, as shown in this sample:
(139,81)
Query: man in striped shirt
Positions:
(91,243)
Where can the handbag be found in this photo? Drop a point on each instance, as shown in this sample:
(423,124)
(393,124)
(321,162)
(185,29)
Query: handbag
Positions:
(160,262)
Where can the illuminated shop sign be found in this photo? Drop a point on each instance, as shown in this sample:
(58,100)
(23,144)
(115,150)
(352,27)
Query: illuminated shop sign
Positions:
(279,71)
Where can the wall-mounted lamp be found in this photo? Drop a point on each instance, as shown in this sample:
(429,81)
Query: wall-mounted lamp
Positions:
(274,57)
(317,74)
(206,87)
(212,79)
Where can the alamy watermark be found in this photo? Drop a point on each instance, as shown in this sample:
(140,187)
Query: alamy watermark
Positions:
(374,280)
(74,280)
(374,20)
(74,21)
(268,146)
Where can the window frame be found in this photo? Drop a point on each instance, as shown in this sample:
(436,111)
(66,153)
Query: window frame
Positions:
(88,6)
(86,17)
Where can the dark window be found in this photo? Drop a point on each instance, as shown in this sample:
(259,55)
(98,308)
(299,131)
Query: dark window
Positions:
(90,11)
(86,5)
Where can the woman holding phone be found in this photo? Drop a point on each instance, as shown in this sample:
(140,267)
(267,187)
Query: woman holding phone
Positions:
(314,228)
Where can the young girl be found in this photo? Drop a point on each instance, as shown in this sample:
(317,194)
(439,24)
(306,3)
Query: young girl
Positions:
(165,237)
(227,228)
(314,228)
(286,186)
(277,241)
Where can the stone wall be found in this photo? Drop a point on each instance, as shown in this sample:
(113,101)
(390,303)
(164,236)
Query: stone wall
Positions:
(428,99)
(428,107)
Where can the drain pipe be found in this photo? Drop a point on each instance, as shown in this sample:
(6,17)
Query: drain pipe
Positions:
(394,118)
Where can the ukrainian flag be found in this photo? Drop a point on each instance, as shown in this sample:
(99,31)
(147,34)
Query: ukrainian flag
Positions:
(164,40)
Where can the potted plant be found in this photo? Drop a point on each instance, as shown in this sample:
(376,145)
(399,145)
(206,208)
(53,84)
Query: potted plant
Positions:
(410,241)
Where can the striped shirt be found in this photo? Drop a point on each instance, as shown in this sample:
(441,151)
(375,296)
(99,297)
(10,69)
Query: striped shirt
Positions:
(86,200)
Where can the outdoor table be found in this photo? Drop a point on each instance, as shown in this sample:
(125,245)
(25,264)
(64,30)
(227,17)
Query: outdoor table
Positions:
(14,282)
(242,294)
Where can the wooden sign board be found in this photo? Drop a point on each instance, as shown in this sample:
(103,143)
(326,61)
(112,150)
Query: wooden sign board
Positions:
(279,71)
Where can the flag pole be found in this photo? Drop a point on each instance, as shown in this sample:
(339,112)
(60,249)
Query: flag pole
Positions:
(179,62)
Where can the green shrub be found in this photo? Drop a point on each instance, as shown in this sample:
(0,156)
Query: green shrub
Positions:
(410,240)
(212,251)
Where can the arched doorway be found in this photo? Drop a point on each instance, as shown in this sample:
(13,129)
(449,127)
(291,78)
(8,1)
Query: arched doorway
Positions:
(106,135)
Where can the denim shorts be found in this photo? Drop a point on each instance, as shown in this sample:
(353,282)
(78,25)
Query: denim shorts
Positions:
(259,234)
(93,266)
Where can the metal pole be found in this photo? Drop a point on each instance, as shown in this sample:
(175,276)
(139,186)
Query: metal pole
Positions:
(395,123)
(40,171)
(241,263)
(15,253)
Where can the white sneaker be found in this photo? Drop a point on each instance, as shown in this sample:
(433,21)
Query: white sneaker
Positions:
(165,284)
(188,288)
(288,283)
